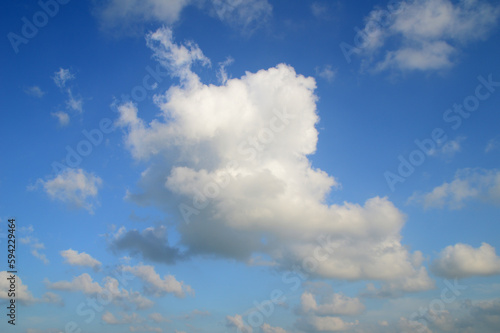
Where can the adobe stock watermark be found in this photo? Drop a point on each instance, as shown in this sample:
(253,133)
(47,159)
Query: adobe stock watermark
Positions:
(373,24)
(255,317)
(453,116)
(248,149)
(40,19)
(448,295)
(93,138)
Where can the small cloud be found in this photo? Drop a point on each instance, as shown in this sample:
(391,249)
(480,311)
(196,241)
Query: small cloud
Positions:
(493,144)
(74,258)
(314,323)
(34,91)
(50,297)
(332,304)
(425,35)
(238,322)
(326,73)
(468,184)
(62,117)
(453,146)
(196,313)
(158,318)
(246,16)
(62,76)
(132,18)
(320,10)
(449,148)
(462,260)
(73,186)
(27,229)
(266,328)
(111,319)
(83,283)
(156,285)
(110,287)
(145,328)
(74,103)
(34,244)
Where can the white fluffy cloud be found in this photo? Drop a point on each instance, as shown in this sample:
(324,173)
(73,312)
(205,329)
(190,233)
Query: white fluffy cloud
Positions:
(74,258)
(425,34)
(462,260)
(155,284)
(232,161)
(73,186)
(468,184)
(83,283)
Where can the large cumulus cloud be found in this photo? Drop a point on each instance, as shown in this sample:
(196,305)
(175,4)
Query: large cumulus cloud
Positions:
(232,163)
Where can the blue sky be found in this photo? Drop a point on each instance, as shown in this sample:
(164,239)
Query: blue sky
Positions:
(251,166)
